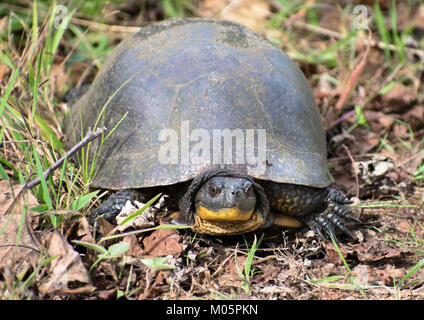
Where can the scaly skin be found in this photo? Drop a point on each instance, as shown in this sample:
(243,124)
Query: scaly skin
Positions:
(113,205)
(322,209)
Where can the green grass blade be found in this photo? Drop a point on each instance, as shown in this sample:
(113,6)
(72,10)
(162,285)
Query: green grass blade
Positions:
(62,176)
(118,249)
(44,189)
(82,201)
(383,204)
(397,40)
(22,221)
(47,133)
(34,29)
(411,272)
(3,173)
(352,276)
(139,211)
(5,59)
(15,170)
(250,256)
(326,279)
(91,246)
(8,91)
(382,29)
(388,87)
(157,263)
(60,31)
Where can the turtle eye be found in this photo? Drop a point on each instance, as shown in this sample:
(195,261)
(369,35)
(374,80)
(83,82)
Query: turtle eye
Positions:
(214,189)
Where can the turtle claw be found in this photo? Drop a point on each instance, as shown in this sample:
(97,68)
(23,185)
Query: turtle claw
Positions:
(327,225)
(323,225)
(316,227)
(336,196)
(333,216)
(341,211)
(335,220)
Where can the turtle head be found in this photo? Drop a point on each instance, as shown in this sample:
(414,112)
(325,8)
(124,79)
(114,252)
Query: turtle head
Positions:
(222,202)
(225,198)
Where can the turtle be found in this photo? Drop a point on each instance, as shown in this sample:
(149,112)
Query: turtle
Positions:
(217,117)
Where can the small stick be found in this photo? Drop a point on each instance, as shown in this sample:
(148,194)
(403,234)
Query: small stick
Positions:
(354,168)
(90,136)
(337,35)
(342,118)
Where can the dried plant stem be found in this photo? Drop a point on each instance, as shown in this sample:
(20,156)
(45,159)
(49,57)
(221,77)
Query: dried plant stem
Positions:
(355,168)
(89,137)
(338,35)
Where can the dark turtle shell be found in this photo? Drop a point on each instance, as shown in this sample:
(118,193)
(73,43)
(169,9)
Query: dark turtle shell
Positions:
(187,74)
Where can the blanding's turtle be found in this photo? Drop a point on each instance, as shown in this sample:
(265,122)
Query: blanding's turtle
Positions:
(174,92)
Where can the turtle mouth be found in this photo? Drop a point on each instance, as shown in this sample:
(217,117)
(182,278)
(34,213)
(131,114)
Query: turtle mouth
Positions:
(227,227)
(233,213)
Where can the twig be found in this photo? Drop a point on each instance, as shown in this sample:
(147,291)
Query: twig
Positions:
(354,169)
(338,35)
(90,136)
(342,118)
(105,27)
(419,154)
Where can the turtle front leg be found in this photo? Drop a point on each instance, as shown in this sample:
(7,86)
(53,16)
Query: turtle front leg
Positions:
(113,205)
(333,216)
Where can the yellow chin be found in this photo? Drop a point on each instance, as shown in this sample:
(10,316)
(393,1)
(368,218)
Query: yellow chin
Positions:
(222,227)
(227,214)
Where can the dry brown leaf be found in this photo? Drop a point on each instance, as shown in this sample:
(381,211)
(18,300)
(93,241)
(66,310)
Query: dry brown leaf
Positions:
(17,253)
(269,272)
(250,13)
(19,249)
(389,274)
(386,121)
(104,226)
(83,231)
(332,253)
(163,242)
(400,131)
(366,140)
(107,294)
(67,267)
(231,276)
(373,251)
(415,117)
(13,197)
(398,98)
(418,19)
(161,277)
(331,19)
(135,250)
